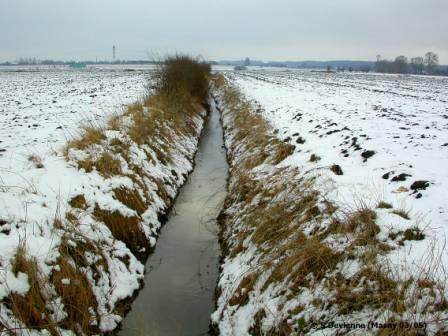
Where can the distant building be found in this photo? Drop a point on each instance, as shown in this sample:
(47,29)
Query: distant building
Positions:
(77,65)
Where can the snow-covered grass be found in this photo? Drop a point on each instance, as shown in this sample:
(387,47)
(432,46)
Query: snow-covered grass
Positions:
(322,236)
(402,121)
(86,178)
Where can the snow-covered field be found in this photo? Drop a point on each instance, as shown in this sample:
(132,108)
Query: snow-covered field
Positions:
(351,226)
(345,118)
(39,112)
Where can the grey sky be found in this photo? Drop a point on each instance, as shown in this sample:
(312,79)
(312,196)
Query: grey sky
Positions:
(223,29)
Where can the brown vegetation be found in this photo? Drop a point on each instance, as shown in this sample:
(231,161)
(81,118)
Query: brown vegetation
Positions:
(271,208)
(89,136)
(31,308)
(36,160)
(182,86)
(126,229)
(78,201)
(79,300)
(158,122)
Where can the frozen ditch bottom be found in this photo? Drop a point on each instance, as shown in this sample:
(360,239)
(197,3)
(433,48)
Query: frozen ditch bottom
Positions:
(181,274)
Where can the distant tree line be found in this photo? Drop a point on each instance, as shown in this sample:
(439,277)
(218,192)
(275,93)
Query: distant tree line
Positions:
(429,64)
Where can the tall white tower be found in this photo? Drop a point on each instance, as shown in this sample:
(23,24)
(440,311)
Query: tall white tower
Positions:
(113,53)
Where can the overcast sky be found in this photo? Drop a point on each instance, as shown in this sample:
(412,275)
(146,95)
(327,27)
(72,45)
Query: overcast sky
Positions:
(223,29)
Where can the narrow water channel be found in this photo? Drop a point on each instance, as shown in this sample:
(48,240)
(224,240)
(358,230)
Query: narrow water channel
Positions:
(178,297)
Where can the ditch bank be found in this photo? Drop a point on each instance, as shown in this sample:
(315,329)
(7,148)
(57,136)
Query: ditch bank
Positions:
(77,272)
(295,263)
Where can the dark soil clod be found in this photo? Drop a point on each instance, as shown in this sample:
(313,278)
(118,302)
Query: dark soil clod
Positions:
(367,154)
(336,169)
(314,158)
(387,175)
(420,185)
(400,177)
(300,140)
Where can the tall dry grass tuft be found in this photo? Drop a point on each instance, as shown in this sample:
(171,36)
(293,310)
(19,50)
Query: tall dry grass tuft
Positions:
(182,73)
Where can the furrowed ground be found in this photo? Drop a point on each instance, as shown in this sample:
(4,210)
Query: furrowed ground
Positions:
(336,210)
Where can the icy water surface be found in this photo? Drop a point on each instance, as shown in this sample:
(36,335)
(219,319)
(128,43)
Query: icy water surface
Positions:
(178,297)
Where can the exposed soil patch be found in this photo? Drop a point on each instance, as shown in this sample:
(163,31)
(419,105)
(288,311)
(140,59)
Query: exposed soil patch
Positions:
(336,169)
(367,154)
(420,185)
(400,177)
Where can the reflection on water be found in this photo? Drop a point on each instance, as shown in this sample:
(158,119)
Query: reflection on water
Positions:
(178,296)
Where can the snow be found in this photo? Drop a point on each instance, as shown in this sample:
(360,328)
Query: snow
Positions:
(39,111)
(403,119)
(342,118)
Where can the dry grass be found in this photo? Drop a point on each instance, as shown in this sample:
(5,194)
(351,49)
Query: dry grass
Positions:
(36,160)
(281,151)
(76,246)
(306,259)
(87,165)
(182,73)
(360,223)
(384,205)
(89,136)
(240,238)
(218,81)
(241,295)
(126,229)
(371,288)
(261,145)
(182,86)
(80,302)
(280,221)
(31,309)
(255,329)
(156,124)
(69,284)
(161,190)
(130,198)
(115,123)
(402,213)
(413,233)
(107,165)
(274,208)
(78,201)
(271,209)
(144,123)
